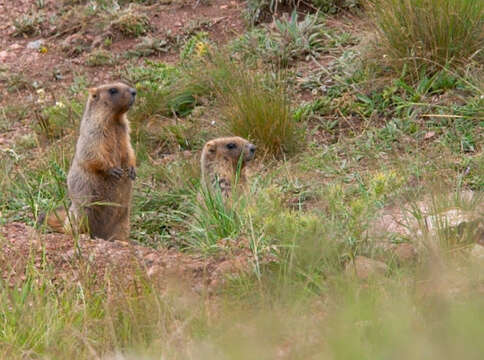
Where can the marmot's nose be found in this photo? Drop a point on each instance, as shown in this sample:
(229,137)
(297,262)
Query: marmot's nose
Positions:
(252,148)
(132,92)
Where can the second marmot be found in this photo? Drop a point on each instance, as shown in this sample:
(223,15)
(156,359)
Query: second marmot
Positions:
(223,159)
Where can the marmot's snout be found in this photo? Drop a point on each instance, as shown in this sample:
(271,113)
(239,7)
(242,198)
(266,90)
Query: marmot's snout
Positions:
(132,91)
(250,151)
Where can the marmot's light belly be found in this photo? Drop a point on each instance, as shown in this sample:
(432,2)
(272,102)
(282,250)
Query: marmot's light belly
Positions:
(86,188)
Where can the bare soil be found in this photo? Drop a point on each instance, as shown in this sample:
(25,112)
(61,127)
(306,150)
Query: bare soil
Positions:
(95,260)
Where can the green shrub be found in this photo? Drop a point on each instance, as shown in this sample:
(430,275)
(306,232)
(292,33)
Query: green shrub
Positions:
(425,36)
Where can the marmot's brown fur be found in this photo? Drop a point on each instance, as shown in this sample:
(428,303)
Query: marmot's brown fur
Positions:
(101,175)
(221,158)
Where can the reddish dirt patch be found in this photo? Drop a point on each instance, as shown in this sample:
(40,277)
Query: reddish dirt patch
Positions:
(221,19)
(24,69)
(57,256)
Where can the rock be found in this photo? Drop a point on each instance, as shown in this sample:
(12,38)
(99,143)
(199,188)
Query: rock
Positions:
(35,45)
(405,253)
(3,55)
(403,223)
(450,218)
(477,252)
(364,267)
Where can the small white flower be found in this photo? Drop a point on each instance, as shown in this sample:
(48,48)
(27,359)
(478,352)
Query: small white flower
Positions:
(60,105)
(212,123)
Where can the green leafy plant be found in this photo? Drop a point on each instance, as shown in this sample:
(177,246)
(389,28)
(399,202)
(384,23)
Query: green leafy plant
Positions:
(131,22)
(27,25)
(99,57)
(289,39)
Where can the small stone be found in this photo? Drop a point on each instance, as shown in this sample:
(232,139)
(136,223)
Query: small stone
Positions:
(429,135)
(15,46)
(35,45)
(3,55)
(223,7)
(364,267)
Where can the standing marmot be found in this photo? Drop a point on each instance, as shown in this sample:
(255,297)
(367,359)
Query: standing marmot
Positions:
(100,178)
(221,159)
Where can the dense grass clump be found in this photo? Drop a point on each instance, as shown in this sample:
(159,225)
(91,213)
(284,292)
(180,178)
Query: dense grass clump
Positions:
(255,110)
(252,106)
(427,35)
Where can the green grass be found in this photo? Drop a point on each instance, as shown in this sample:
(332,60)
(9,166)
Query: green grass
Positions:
(255,110)
(429,35)
(341,143)
(214,220)
(348,320)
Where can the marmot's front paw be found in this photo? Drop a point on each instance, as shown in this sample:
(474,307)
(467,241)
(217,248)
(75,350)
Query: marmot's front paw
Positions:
(116,172)
(132,172)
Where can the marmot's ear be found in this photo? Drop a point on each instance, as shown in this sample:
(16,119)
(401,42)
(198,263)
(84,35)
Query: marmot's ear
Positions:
(211,147)
(93,92)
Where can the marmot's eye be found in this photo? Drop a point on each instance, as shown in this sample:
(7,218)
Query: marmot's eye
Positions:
(113,91)
(231,146)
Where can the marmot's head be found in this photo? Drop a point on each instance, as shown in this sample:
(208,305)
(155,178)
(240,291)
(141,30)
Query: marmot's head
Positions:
(116,97)
(230,149)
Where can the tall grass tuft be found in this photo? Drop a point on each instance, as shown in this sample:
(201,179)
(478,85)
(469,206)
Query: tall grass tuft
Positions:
(262,112)
(214,220)
(427,35)
(254,106)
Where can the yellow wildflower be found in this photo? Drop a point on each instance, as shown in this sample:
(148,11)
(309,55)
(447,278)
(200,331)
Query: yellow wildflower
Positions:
(201,48)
